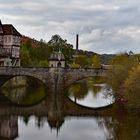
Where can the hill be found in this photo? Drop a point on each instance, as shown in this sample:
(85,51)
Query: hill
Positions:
(36,53)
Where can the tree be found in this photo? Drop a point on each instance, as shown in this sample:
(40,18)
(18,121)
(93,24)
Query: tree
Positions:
(118,73)
(75,65)
(35,54)
(43,63)
(132,89)
(78,90)
(57,43)
(81,60)
(25,57)
(96,61)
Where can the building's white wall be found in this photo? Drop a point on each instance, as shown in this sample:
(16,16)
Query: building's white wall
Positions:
(59,56)
(9,62)
(5,51)
(11,45)
(16,40)
(10,40)
(63,64)
(15,52)
(55,63)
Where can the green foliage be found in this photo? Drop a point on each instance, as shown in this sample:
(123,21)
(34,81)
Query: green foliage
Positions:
(25,57)
(75,65)
(36,56)
(132,88)
(78,91)
(57,43)
(96,61)
(43,63)
(119,71)
(118,74)
(81,60)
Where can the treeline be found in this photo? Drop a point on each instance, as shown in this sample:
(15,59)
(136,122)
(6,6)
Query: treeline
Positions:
(36,53)
(124,78)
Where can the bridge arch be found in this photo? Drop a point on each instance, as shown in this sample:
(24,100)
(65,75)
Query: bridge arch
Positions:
(73,75)
(7,78)
(74,108)
(26,93)
(41,74)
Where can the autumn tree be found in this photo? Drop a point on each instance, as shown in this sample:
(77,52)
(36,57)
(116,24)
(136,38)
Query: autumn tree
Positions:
(119,72)
(25,57)
(132,88)
(96,61)
(36,55)
(81,60)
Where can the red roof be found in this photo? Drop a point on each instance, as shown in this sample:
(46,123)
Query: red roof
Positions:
(9,29)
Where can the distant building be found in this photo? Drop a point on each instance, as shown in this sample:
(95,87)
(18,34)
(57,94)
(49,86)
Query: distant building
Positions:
(10,41)
(57,59)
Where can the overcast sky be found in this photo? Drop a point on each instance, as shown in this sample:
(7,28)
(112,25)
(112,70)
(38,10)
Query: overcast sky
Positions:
(104,26)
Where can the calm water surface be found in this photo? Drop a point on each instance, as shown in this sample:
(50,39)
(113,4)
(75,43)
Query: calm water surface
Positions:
(32,123)
(73,128)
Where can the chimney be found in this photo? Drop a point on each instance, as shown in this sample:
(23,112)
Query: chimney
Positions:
(77,42)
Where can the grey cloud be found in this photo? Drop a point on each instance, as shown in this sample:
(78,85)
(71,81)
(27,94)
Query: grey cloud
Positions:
(97,22)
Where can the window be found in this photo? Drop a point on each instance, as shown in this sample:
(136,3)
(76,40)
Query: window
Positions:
(5,39)
(59,64)
(0,38)
(9,39)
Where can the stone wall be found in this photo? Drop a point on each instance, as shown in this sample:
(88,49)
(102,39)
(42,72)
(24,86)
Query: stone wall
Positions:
(48,75)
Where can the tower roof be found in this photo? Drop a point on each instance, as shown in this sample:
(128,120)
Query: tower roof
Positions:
(57,56)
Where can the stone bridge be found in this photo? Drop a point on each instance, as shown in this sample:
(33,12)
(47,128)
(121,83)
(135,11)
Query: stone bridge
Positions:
(56,106)
(49,76)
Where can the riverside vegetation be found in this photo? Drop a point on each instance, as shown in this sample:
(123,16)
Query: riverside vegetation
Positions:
(124,78)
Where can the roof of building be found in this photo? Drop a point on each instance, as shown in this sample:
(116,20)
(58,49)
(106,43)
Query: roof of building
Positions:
(8,29)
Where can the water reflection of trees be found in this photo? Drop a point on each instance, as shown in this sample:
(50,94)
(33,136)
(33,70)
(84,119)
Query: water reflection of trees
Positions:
(121,127)
(78,90)
(31,93)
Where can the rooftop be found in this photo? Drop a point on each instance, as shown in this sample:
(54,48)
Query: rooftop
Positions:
(8,29)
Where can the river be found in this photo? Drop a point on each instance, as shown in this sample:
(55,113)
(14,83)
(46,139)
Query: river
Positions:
(32,115)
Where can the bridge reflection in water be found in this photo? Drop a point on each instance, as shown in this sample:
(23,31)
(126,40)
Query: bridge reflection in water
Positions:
(55,107)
